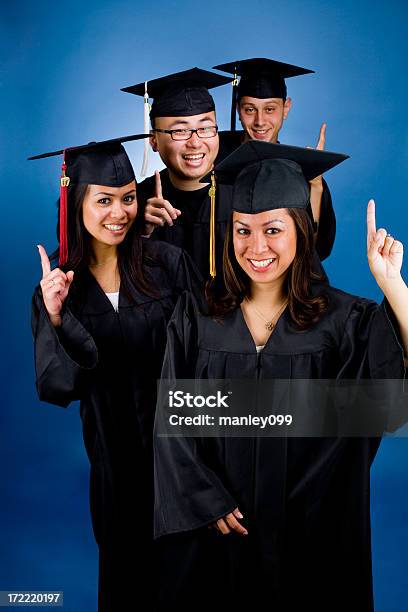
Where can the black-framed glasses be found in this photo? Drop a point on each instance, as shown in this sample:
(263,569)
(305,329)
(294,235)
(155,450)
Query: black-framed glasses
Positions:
(185,134)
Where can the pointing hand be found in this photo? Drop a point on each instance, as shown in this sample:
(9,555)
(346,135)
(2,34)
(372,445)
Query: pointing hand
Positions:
(384,253)
(158,210)
(55,285)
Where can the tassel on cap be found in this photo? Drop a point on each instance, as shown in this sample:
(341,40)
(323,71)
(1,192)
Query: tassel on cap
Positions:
(146,127)
(211,193)
(63,217)
(234,101)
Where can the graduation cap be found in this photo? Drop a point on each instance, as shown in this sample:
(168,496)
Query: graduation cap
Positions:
(265,175)
(182,94)
(260,78)
(96,163)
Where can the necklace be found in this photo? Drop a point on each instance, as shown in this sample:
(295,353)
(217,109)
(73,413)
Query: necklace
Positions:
(96,265)
(269,323)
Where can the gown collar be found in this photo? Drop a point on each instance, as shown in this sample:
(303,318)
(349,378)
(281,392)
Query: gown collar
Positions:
(235,337)
(96,301)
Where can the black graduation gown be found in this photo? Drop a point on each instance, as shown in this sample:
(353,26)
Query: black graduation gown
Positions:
(191,230)
(111,361)
(326,232)
(305,501)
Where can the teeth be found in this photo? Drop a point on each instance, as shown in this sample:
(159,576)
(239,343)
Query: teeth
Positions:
(114,227)
(192,157)
(261,264)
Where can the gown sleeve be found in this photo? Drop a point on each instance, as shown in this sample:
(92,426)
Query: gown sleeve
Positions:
(64,357)
(188,494)
(371,349)
(326,231)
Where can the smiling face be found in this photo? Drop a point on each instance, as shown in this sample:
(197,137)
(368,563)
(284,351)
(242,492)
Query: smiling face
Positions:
(187,160)
(108,212)
(263,118)
(264,244)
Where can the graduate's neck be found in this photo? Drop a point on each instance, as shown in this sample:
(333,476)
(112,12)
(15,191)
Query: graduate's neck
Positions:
(104,267)
(184,184)
(103,255)
(267,294)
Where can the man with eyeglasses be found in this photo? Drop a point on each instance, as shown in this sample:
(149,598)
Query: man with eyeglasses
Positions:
(185,134)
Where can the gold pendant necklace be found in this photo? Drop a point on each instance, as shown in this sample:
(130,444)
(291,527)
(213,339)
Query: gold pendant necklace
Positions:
(269,323)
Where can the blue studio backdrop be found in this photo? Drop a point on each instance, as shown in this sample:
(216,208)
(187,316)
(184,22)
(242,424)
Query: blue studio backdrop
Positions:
(61,70)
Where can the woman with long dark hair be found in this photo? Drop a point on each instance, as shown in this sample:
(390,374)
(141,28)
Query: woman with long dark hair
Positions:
(295,510)
(99,324)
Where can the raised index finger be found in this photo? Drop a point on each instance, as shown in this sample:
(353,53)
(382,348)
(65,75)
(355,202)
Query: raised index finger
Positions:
(322,138)
(371,225)
(159,193)
(45,262)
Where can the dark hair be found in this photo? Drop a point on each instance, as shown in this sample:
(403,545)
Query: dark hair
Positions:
(225,295)
(131,258)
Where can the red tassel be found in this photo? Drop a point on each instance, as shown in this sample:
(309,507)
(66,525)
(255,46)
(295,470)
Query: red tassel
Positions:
(63,218)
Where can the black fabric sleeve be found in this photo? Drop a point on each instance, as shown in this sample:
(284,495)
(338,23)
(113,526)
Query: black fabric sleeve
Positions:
(188,494)
(371,346)
(372,349)
(64,356)
(326,231)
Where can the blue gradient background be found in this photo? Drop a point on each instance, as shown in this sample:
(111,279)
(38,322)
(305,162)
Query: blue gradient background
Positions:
(61,70)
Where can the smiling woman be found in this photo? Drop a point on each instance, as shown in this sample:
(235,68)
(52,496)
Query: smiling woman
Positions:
(108,215)
(114,210)
(265,244)
(271,254)
(295,510)
(99,321)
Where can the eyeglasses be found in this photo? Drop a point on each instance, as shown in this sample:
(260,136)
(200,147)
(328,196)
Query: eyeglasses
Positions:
(184,134)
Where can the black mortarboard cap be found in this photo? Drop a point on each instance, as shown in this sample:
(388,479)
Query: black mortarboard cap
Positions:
(182,94)
(267,176)
(96,163)
(260,78)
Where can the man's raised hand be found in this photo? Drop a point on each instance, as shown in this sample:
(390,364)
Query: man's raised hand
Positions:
(158,210)
(316,184)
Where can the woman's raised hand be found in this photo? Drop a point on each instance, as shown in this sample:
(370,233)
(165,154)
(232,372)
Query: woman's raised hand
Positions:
(384,253)
(55,285)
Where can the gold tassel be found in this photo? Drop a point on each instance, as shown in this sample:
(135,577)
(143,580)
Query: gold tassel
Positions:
(211,193)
